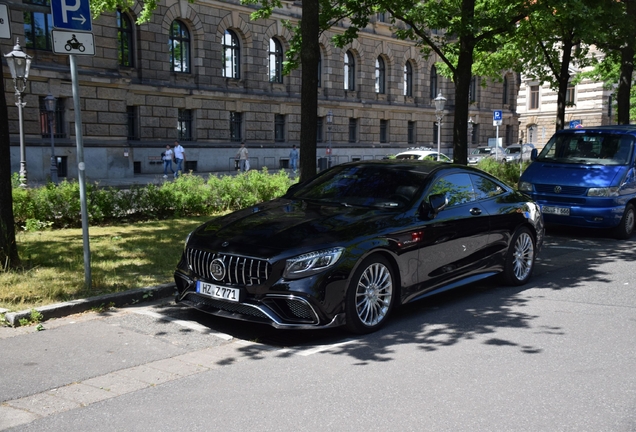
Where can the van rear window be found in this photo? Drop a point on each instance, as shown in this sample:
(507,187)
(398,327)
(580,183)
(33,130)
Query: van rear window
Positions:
(588,148)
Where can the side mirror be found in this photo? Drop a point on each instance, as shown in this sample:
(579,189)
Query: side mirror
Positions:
(533,154)
(435,204)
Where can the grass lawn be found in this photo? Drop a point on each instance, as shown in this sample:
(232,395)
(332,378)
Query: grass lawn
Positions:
(123,257)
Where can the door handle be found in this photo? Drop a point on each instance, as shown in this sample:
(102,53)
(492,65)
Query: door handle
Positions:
(475,211)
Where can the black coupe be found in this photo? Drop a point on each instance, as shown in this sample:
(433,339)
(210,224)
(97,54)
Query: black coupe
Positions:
(357,240)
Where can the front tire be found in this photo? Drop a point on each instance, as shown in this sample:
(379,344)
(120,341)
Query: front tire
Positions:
(370,296)
(520,258)
(625,228)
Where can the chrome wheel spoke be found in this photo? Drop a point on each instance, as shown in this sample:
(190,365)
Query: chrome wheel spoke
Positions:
(523,256)
(373,294)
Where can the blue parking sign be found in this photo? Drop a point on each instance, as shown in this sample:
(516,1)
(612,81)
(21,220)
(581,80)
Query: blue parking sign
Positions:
(497,115)
(72,15)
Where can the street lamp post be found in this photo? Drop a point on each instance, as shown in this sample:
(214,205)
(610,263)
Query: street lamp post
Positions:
(439,113)
(329,123)
(471,124)
(19,63)
(49,103)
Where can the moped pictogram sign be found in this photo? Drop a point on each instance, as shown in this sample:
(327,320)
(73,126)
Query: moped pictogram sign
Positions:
(73,42)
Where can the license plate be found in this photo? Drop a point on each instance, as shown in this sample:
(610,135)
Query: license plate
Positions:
(219,292)
(561,211)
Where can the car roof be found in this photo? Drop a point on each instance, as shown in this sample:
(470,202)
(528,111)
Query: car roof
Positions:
(418,152)
(624,129)
(423,166)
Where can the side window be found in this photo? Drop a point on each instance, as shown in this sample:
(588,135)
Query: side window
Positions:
(458,189)
(485,188)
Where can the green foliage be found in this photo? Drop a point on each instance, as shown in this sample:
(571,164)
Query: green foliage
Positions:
(52,206)
(33,318)
(508,173)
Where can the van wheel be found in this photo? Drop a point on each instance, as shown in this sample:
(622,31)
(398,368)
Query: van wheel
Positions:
(625,228)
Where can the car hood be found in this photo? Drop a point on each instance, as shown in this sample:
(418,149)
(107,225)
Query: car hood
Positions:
(573,174)
(267,229)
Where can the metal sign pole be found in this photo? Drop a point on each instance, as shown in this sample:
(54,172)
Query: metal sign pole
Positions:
(81,170)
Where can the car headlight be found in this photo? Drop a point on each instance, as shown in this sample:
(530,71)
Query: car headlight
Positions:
(311,263)
(603,192)
(525,186)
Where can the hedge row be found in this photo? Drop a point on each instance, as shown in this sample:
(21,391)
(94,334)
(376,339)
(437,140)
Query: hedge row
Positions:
(58,206)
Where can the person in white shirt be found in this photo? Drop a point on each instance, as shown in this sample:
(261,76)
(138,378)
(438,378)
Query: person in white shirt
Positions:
(179,158)
(167,161)
(242,156)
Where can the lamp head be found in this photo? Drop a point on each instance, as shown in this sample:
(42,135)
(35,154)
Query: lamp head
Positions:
(49,103)
(439,102)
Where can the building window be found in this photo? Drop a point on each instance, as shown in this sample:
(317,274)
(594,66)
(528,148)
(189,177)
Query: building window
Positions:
(472,90)
(124,40)
(475,135)
(184,125)
(37,27)
(410,133)
(508,135)
(179,47)
(275,61)
(534,97)
(408,79)
(384,126)
(609,107)
(58,121)
(433,83)
(379,75)
(319,69)
(231,55)
(353,130)
(319,130)
(349,71)
(504,99)
(381,17)
(131,112)
(569,95)
(279,128)
(236,126)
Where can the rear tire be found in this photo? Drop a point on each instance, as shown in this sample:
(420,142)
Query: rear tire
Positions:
(625,228)
(520,258)
(370,296)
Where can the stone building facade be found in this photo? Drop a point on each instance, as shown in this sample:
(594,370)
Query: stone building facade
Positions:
(206,74)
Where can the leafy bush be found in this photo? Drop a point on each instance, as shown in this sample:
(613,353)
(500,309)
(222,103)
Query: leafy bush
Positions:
(508,173)
(189,195)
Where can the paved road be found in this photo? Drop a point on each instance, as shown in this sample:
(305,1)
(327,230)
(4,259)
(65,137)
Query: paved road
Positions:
(556,354)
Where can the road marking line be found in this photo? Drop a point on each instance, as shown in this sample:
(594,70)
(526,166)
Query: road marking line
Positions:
(316,349)
(188,324)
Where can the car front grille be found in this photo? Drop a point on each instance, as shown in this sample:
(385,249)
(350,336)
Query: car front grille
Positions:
(238,270)
(563,190)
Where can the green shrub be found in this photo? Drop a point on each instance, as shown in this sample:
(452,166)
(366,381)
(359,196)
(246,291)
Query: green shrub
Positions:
(508,173)
(58,206)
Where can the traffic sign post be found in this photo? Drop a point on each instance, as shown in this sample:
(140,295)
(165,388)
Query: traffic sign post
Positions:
(72,15)
(497,120)
(5,25)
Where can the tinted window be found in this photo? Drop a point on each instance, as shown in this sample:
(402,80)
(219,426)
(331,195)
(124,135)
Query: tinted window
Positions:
(590,148)
(485,188)
(458,189)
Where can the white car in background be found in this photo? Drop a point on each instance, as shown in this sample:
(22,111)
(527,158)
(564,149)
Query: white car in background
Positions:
(423,154)
(517,153)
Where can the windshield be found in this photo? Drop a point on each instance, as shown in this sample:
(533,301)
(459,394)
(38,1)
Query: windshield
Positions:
(513,150)
(364,185)
(481,151)
(588,148)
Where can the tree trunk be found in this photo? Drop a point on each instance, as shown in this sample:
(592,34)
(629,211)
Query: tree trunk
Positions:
(8,248)
(462,76)
(309,55)
(563,79)
(625,84)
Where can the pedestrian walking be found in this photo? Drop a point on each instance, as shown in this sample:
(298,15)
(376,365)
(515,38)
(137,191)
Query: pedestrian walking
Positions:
(293,159)
(179,158)
(167,157)
(243,156)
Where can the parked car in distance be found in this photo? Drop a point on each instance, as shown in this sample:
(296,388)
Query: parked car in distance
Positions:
(477,154)
(359,239)
(517,153)
(422,154)
(586,177)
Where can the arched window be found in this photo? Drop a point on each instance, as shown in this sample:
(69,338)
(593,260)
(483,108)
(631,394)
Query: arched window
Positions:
(275,61)
(124,40)
(433,83)
(179,45)
(379,75)
(472,90)
(408,79)
(504,98)
(231,55)
(349,71)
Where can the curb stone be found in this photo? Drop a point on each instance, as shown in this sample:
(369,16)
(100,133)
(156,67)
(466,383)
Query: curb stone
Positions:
(124,298)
